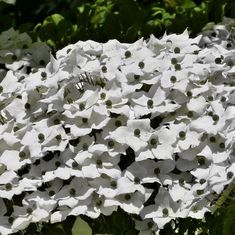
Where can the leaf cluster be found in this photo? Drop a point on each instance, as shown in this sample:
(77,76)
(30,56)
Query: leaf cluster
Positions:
(65,21)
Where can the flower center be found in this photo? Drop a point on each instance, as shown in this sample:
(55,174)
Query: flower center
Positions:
(108,103)
(182,134)
(111,143)
(72,191)
(150,103)
(102,95)
(173,79)
(165,212)
(104,69)
(177,50)
(137,132)
(157,171)
(127,54)
(81,106)
(113,184)
(141,64)
(127,196)
(118,123)
(41,137)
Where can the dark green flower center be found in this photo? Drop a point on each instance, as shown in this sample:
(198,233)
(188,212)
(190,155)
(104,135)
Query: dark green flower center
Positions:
(81,106)
(127,196)
(153,141)
(127,54)
(177,67)
(8,186)
(104,69)
(41,137)
(85,147)
(177,50)
(165,212)
(215,117)
(218,60)
(98,203)
(51,193)
(201,160)
(16,128)
(202,181)
(84,120)
(190,114)
(222,145)
(181,181)
(150,103)
(74,164)
(189,94)
(210,98)
(223,99)
(182,134)
(137,132)
(173,79)
(230,175)
(118,123)
(136,77)
(102,95)
(137,180)
(141,64)
(212,139)
(57,163)
(72,191)
(59,137)
(27,106)
(157,171)
(108,103)
(113,184)
(29,210)
(56,121)
(210,113)
(99,162)
(174,61)
(200,191)
(43,74)
(22,154)
(10,220)
(111,143)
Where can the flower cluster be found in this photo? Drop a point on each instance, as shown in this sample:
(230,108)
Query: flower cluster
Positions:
(148,127)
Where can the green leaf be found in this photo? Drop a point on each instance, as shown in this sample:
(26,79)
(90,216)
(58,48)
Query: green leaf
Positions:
(229,226)
(9,1)
(81,227)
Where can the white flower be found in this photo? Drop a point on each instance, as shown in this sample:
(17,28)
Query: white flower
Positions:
(164,209)
(130,202)
(146,227)
(149,171)
(97,205)
(135,134)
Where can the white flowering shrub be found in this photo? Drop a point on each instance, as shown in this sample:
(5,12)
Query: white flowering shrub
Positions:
(148,127)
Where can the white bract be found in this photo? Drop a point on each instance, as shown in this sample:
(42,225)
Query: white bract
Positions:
(102,126)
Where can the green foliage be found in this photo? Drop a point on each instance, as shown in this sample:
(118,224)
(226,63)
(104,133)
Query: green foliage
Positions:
(81,227)
(67,21)
(229,225)
(55,31)
(8,1)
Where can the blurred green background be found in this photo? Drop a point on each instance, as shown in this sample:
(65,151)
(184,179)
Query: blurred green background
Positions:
(59,22)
